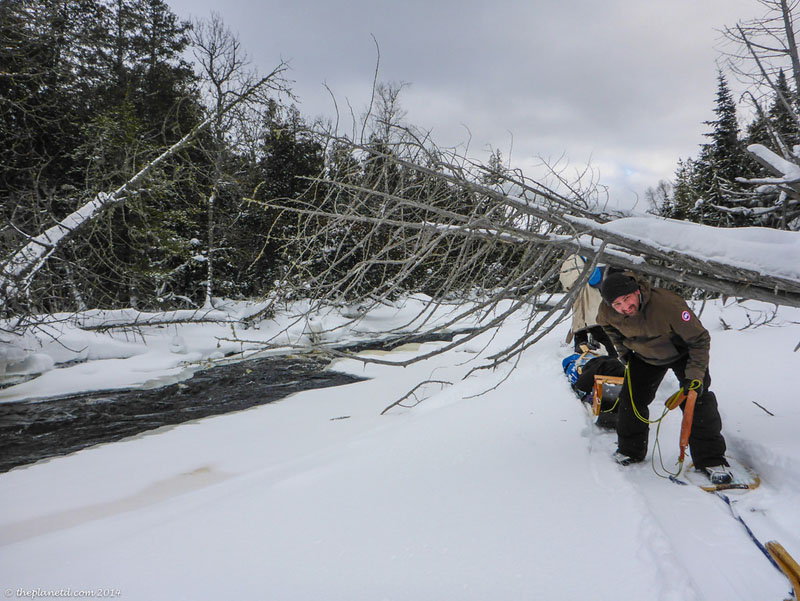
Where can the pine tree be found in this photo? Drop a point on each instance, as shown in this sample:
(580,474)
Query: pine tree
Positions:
(264,240)
(681,205)
(89,96)
(145,86)
(775,128)
(720,161)
(706,187)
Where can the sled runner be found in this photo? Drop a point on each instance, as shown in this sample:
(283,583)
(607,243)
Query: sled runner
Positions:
(786,564)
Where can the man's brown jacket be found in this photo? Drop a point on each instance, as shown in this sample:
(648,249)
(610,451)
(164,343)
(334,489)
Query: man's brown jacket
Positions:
(663,331)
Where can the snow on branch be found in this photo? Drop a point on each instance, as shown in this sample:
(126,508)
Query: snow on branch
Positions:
(401,218)
(786,172)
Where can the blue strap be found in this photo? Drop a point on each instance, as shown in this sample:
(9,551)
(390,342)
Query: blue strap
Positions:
(738,517)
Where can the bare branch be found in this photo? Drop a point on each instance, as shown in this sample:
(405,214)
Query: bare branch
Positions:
(412,393)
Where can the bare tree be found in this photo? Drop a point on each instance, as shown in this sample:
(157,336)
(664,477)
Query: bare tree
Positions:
(388,115)
(761,47)
(224,75)
(658,197)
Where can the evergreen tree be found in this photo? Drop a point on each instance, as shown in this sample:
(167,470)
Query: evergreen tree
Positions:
(145,90)
(721,161)
(264,239)
(89,96)
(705,188)
(775,128)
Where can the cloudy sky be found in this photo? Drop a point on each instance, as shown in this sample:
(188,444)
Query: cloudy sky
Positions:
(624,85)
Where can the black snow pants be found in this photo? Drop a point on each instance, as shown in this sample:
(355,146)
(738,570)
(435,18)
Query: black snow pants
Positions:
(706,444)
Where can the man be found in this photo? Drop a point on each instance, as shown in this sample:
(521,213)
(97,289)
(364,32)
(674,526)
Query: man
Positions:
(654,330)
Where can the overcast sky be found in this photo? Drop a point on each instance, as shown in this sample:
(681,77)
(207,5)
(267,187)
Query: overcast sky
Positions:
(622,84)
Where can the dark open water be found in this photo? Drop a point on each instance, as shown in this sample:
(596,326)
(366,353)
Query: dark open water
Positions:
(36,429)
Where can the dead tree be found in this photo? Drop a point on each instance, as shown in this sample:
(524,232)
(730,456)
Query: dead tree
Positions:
(761,47)
(432,227)
(223,75)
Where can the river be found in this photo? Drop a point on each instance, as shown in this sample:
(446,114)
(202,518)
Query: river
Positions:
(33,430)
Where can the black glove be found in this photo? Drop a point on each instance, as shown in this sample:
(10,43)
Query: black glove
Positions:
(625,357)
(695,385)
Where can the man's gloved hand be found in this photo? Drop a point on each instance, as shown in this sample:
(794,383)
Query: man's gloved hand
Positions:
(695,385)
(686,385)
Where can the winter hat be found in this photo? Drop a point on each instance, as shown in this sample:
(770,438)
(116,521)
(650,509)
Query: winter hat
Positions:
(616,285)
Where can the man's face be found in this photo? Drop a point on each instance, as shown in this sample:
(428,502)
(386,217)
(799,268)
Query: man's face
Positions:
(627,305)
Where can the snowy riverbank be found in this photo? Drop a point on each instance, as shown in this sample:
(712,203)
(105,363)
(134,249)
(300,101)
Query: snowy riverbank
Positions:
(475,493)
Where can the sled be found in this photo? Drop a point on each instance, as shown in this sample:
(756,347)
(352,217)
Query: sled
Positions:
(601,399)
(786,564)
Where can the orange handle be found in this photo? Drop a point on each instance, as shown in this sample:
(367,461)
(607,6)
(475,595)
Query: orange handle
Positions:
(675,400)
(686,425)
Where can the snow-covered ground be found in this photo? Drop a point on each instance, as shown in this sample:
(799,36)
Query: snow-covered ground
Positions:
(477,492)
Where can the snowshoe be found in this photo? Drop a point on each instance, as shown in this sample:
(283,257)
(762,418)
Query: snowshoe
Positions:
(743,478)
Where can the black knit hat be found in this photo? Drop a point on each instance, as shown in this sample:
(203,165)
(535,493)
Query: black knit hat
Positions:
(616,285)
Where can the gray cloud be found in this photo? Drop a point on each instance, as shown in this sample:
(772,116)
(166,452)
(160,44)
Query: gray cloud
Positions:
(626,84)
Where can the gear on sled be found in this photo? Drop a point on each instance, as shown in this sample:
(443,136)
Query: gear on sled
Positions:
(597,380)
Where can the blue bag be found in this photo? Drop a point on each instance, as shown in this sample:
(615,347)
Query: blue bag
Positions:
(572,366)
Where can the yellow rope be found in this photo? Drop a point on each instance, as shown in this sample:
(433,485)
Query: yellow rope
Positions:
(612,406)
(630,395)
(656,444)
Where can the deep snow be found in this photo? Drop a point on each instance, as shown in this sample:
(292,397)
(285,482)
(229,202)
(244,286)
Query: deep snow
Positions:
(474,493)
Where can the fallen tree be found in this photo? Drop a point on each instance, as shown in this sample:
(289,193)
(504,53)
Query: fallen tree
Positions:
(404,217)
(531,215)
(431,224)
